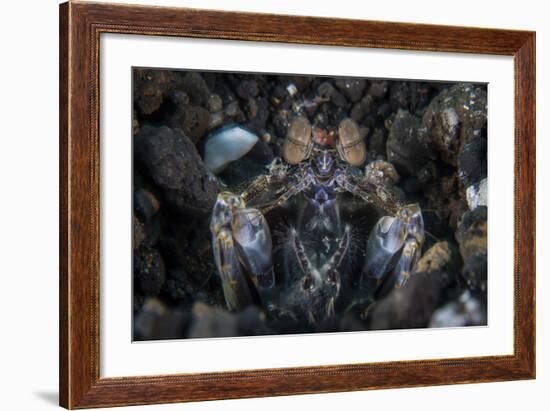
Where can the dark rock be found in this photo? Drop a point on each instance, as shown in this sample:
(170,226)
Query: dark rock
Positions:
(177,285)
(453,118)
(413,305)
(370,121)
(261,153)
(456,208)
(279,93)
(247,89)
(197,89)
(442,258)
(149,271)
(472,161)
(252,321)
(467,310)
(197,259)
(374,156)
(363,107)
(351,322)
(299,82)
(135,123)
(182,288)
(139,233)
(409,307)
(179,97)
(258,118)
(411,184)
(176,167)
(352,88)
(428,173)
(377,141)
(242,171)
(445,127)
(281,122)
(215,120)
(399,96)
(214,103)
(378,88)
(208,321)
(443,194)
(251,108)
(146,204)
(192,120)
(404,149)
(234,112)
(153,231)
(471,235)
(320,121)
(333,114)
(420,97)
(384,110)
(157,322)
(224,91)
(151,87)
(327,91)
(210,78)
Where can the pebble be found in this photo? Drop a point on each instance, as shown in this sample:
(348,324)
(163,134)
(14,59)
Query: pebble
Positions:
(227,145)
(234,112)
(155,321)
(196,88)
(149,271)
(472,161)
(327,91)
(208,321)
(351,87)
(381,172)
(174,165)
(403,148)
(471,235)
(150,87)
(378,88)
(146,204)
(247,89)
(466,311)
(363,107)
(413,305)
(214,103)
(192,120)
(454,117)
(215,120)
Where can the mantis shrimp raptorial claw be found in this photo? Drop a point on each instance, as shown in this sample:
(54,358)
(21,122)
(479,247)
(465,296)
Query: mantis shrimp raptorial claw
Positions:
(394,245)
(241,241)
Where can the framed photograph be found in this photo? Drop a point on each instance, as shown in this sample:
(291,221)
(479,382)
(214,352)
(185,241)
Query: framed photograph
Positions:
(259,205)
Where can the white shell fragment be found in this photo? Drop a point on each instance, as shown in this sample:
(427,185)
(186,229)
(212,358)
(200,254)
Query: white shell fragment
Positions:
(227,145)
(476,194)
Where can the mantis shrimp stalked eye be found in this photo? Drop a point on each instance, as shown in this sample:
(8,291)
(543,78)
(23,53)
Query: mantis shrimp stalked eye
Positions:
(350,145)
(298,143)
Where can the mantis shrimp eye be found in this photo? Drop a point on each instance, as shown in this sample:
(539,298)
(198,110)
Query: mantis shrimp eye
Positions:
(350,145)
(298,142)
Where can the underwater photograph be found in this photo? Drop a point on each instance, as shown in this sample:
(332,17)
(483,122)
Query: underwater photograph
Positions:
(269,204)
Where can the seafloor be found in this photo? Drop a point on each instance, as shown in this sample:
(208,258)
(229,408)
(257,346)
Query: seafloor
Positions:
(433,133)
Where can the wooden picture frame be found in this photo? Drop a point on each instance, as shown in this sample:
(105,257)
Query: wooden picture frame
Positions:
(80,27)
